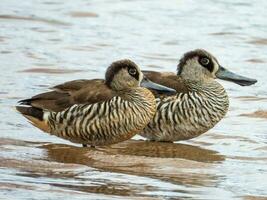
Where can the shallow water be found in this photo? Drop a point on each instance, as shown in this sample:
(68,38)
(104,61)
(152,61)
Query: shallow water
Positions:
(43,43)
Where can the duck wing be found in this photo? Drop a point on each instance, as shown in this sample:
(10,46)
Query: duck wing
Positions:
(73,92)
(82,91)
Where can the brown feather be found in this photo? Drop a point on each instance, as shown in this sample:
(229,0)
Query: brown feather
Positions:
(74,85)
(38,123)
(93,91)
(167,79)
(70,93)
(35,115)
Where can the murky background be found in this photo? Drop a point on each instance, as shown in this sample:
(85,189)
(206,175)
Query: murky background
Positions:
(45,42)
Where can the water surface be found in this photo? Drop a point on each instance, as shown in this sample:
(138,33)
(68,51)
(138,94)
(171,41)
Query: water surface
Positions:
(43,43)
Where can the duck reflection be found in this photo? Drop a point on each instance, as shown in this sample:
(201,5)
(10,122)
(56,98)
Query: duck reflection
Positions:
(140,148)
(183,165)
(165,150)
(177,163)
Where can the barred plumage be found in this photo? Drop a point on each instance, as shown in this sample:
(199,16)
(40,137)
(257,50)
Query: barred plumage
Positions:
(104,122)
(188,115)
(200,103)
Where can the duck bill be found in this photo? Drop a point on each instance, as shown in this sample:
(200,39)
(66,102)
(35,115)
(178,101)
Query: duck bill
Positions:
(157,87)
(227,75)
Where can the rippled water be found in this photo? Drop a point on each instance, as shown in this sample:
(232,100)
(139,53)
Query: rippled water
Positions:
(43,43)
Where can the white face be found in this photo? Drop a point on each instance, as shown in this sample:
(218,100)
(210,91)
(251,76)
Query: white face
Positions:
(200,68)
(127,78)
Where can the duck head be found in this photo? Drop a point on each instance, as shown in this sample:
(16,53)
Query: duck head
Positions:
(125,74)
(199,65)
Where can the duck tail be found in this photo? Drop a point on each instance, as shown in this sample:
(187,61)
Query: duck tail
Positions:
(35,115)
(25,102)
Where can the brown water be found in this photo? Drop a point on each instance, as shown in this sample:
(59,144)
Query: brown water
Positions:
(43,43)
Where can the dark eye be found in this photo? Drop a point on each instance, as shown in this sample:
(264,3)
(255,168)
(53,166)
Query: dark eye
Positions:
(132,71)
(204,61)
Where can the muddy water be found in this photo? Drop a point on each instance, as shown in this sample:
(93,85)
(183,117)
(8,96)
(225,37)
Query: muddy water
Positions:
(43,43)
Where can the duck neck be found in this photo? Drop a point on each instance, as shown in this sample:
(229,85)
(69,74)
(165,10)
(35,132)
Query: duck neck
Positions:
(140,101)
(139,96)
(204,86)
(212,94)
